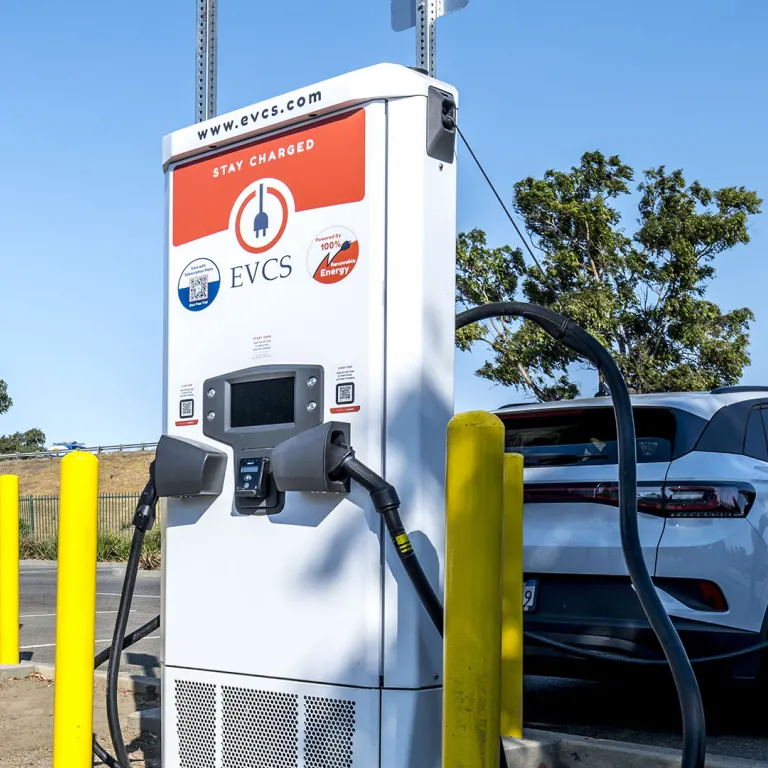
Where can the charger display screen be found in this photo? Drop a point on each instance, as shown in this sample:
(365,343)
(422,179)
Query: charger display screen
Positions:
(262,402)
(250,474)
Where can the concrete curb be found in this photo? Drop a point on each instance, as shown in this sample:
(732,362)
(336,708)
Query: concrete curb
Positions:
(133,683)
(113,568)
(13,671)
(534,750)
(147,721)
(542,749)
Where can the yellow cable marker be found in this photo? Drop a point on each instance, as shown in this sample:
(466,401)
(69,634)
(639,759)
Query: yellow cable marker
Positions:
(75,611)
(472,644)
(512,600)
(9,569)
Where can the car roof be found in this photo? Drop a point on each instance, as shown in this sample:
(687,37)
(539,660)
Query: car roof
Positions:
(704,404)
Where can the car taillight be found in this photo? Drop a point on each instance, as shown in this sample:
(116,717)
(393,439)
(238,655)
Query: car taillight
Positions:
(713,596)
(693,500)
(665,500)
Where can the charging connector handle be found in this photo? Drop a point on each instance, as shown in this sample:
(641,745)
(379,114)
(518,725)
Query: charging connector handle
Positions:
(342,464)
(386,502)
(583,343)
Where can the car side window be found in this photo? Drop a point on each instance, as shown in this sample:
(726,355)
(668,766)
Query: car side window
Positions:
(764,414)
(754,440)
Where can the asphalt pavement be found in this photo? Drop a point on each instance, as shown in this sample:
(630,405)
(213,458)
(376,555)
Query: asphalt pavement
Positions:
(37,614)
(646,711)
(643,711)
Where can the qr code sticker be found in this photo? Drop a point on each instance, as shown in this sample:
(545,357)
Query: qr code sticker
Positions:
(198,288)
(186,409)
(345,393)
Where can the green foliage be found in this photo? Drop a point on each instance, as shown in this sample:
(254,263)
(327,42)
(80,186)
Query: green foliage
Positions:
(110,547)
(5,398)
(33,548)
(151,551)
(25,529)
(643,296)
(31,441)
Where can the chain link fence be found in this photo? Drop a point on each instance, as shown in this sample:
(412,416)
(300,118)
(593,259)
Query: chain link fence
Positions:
(39,515)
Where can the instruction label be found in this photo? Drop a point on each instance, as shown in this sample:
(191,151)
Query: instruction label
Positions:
(345,391)
(186,412)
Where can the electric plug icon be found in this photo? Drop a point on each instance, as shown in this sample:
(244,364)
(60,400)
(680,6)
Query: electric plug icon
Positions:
(261,221)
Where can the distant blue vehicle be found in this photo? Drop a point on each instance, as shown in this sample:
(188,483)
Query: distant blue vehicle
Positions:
(63,447)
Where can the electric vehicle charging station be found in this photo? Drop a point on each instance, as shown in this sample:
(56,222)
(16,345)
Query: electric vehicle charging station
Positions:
(309,281)
(309,308)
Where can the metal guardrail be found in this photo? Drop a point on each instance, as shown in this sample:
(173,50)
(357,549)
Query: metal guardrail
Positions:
(55,454)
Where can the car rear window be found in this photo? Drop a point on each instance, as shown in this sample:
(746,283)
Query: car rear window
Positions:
(573,436)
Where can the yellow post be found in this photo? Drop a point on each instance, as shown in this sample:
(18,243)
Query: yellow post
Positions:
(9,569)
(472,644)
(75,611)
(512,600)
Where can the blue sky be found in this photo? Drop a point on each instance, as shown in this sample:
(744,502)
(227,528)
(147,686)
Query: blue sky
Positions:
(91,88)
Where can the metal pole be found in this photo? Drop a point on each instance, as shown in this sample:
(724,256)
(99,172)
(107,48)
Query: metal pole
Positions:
(511,603)
(205,64)
(427,12)
(472,640)
(212,53)
(9,569)
(75,612)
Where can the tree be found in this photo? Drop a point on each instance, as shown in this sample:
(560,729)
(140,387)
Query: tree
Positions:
(644,296)
(5,398)
(33,440)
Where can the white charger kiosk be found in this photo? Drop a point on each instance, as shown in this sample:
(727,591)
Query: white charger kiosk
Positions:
(309,278)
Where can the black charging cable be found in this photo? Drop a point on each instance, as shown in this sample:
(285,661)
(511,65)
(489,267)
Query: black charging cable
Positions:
(143,520)
(385,500)
(617,657)
(341,464)
(584,344)
(138,634)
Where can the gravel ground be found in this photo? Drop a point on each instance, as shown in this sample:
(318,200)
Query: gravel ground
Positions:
(647,713)
(26,724)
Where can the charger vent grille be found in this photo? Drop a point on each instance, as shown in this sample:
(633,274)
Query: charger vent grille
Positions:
(196,724)
(236,726)
(260,729)
(329,732)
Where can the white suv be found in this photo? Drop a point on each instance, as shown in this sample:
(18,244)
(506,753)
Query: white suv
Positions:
(703,514)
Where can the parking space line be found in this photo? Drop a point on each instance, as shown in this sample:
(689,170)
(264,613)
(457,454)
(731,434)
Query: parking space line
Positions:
(52,645)
(50,615)
(118,594)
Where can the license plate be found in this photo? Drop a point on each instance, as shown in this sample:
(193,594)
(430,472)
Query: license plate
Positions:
(529,595)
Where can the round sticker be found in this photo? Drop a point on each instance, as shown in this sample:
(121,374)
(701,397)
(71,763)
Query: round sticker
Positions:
(260,215)
(332,255)
(199,284)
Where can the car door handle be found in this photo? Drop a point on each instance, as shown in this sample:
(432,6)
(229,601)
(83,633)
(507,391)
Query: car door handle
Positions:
(761,468)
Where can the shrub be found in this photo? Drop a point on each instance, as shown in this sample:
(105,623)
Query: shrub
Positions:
(151,551)
(32,548)
(110,547)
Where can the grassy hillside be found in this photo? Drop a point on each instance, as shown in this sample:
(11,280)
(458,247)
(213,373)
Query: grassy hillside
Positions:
(118,473)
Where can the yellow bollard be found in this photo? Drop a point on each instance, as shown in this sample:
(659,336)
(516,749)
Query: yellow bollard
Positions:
(75,611)
(472,644)
(9,569)
(512,600)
